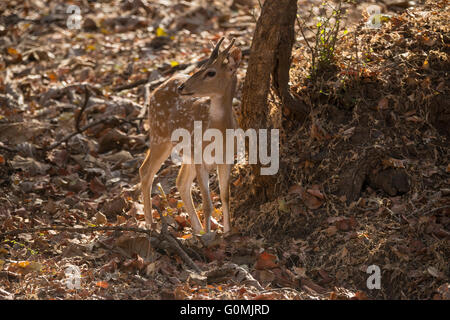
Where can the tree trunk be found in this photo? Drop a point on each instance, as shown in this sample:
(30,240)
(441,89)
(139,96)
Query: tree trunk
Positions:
(270,55)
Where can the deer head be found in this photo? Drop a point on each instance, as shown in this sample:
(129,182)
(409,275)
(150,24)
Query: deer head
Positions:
(211,78)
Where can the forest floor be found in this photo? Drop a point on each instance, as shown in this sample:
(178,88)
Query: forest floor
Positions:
(364,181)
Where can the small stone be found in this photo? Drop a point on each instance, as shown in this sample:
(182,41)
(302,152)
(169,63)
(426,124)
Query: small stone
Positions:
(100,218)
(198,279)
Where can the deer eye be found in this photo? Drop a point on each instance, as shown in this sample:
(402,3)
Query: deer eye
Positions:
(211,73)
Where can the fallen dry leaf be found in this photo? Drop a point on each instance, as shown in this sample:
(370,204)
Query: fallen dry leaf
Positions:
(102,284)
(383,104)
(266,261)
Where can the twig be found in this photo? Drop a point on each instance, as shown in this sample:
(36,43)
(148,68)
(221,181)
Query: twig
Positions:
(164,233)
(146,103)
(156,83)
(170,238)
(78,116)
(75,229)
(57,92)
(435,209)
(426,207)
(175,244)
(87,93)
(130,85)
(281,289)
(260,5)
(112,120)
(66,138)
(307,42)
(2,146)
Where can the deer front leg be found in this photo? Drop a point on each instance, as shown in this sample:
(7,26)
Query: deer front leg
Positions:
(153,161)
(223,172)
(185,178)
(203,183)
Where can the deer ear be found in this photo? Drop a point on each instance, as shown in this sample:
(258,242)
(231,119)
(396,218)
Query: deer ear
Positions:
(234,58)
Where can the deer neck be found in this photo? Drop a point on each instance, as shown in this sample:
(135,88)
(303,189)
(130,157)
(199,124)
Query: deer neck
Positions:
(221,109)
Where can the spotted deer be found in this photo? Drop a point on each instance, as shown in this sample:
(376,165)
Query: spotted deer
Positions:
(205,96)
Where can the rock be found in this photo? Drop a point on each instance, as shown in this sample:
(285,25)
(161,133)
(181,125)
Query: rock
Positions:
(167,294)
(15,133)
(197,279)
(100,218)
(209,239)
(112,140)
(392,181)
(29,165)
(89,25)
(114,207)
(120,156)
(264,276)
(71,183)
(398,3)
(159,42)
(80,144)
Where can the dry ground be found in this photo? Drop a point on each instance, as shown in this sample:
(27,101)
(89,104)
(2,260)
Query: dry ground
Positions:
(365,180)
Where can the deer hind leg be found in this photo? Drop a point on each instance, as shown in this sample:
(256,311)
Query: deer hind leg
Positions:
(152,163)
(203,183)
(185,177)
(223,173)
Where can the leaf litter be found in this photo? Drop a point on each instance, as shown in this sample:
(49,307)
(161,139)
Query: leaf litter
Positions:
(314,242)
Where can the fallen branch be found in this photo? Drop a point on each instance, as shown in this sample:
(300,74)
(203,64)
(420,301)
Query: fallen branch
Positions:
(75,229)
(164,233)
(132,85)
(53,93)
(435,209)
(156,83)
(233,271)
(113,121)
(80,113)
(2,146)
(180,250)
(175,244)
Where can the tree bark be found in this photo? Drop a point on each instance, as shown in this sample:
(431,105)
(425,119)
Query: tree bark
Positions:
(282,65)
(270,56)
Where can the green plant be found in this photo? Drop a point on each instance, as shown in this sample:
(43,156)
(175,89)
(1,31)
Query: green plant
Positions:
(327,19)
